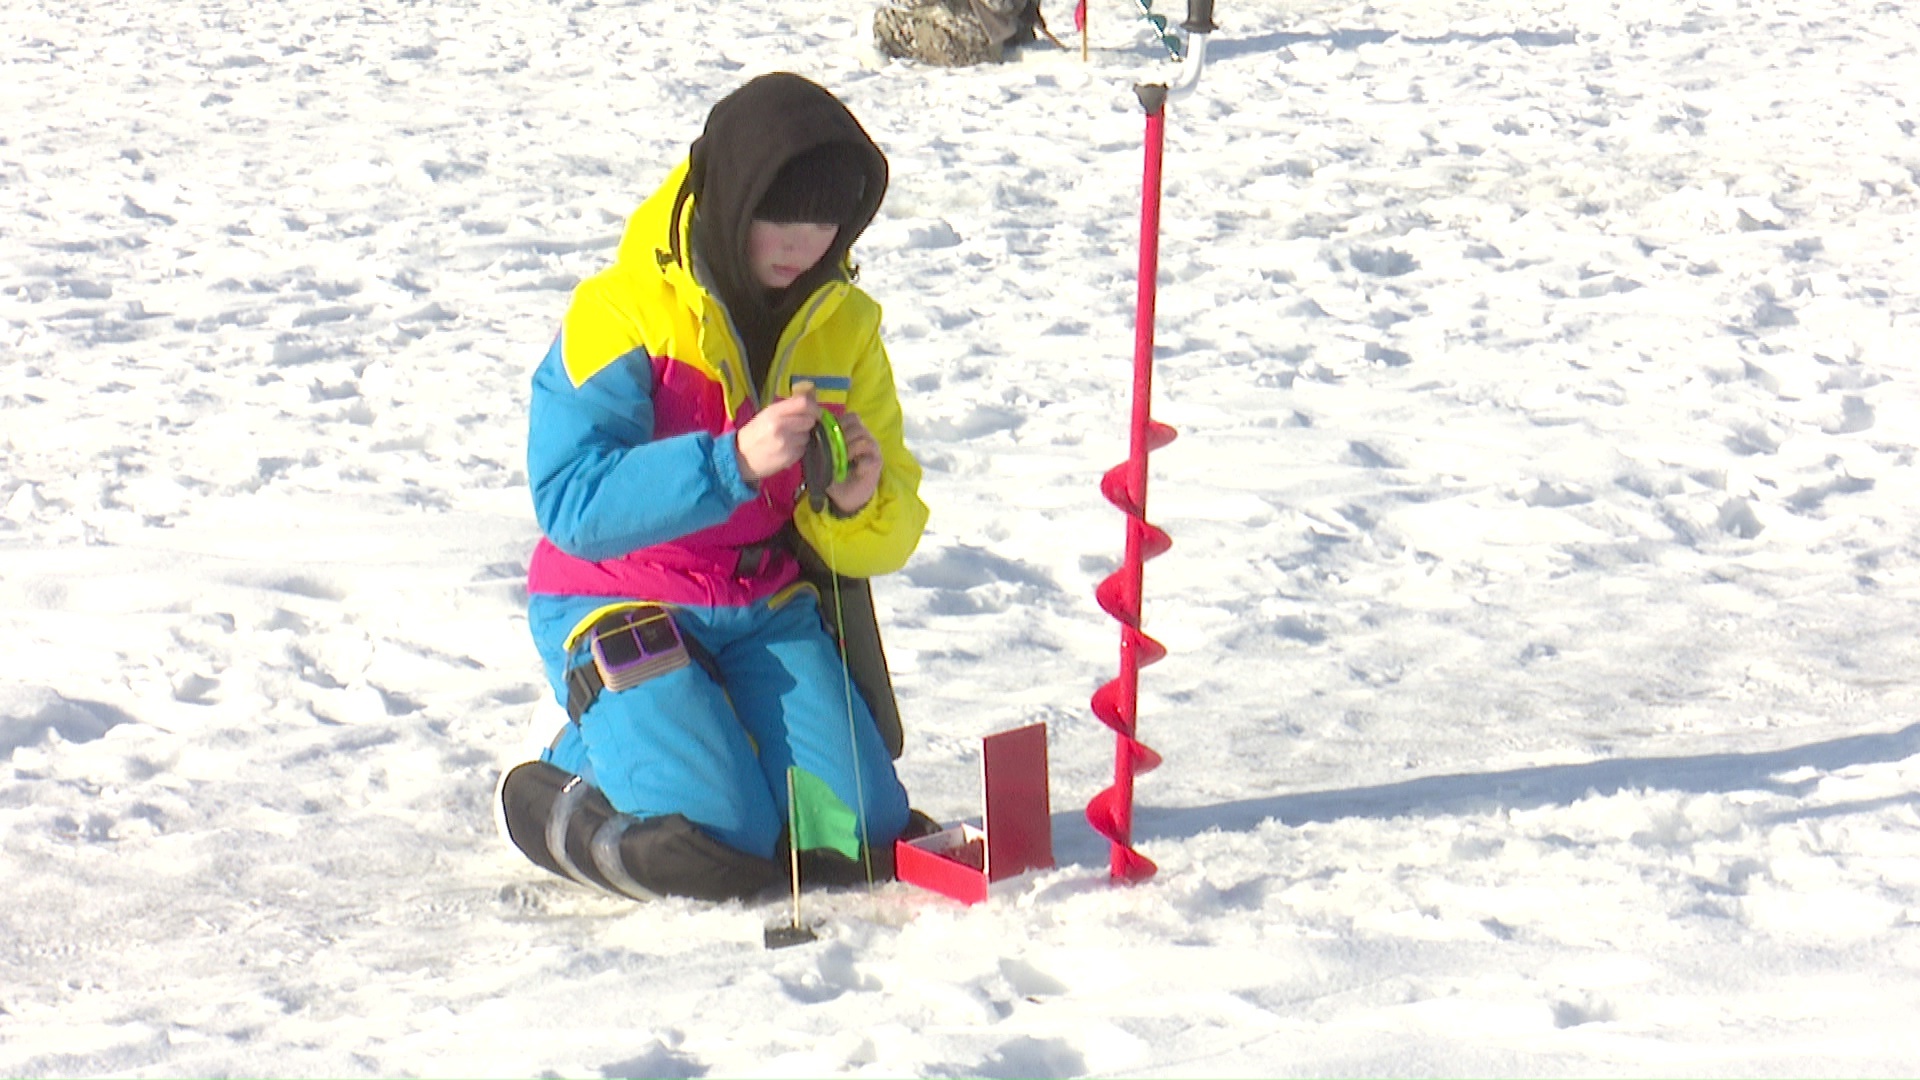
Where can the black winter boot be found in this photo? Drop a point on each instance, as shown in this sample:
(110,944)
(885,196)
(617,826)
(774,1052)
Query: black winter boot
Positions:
(566,826)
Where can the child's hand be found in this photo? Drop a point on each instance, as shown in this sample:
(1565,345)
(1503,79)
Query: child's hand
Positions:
(776,437)
(863,467)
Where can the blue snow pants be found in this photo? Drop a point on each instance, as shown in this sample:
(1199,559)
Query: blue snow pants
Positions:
(682,744)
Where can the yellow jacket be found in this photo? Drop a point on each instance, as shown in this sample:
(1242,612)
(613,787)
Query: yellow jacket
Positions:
(631,451)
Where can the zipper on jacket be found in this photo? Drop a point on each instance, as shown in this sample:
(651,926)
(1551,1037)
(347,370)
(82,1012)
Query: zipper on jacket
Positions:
(733,336)
(739,353)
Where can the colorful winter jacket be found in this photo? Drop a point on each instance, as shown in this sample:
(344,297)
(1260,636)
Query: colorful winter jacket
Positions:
(636,482)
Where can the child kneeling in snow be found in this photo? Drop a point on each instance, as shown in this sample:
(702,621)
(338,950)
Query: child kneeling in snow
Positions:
(668,426)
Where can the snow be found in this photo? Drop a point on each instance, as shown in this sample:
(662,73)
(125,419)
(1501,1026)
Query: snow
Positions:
(1541,610)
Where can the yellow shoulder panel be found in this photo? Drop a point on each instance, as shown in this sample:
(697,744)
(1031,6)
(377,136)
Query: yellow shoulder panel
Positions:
(598,328)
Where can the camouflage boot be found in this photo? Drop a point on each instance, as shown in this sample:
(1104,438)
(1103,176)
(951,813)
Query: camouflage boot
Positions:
(945,33)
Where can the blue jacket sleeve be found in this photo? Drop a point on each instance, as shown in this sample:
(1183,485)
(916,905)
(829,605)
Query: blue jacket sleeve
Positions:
(602,487)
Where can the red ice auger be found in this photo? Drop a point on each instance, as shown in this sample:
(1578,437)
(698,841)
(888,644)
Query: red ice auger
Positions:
(1125,485)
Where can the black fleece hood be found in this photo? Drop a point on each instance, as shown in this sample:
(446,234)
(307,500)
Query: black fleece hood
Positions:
(750,134)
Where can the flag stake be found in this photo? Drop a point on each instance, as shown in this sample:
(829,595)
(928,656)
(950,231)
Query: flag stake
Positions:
(780,937)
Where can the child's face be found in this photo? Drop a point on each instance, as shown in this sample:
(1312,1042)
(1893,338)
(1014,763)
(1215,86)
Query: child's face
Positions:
(779,254)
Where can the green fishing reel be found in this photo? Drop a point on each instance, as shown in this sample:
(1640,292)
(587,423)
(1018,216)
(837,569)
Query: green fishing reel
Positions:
(825,461)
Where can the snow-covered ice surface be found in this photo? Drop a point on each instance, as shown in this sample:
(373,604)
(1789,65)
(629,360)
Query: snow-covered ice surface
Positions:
(1542,695)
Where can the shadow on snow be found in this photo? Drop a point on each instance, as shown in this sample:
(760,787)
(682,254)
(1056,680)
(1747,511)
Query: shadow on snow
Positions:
(1353,39)
(1519,789)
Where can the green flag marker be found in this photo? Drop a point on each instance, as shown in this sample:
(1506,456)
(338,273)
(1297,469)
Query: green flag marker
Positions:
(818,818)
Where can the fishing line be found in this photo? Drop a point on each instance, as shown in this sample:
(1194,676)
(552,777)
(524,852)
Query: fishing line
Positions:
(853,732)
(826,463)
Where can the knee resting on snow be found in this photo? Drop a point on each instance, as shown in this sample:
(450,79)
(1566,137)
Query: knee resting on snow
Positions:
(566,826)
